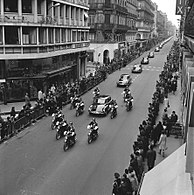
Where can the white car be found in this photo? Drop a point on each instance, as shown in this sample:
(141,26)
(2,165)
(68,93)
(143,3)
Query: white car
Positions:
(151,54)
(137,68)
(124,80)
(145,60)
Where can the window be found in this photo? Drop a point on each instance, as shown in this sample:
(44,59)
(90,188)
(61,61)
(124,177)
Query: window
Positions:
(57,35)
(107,19)
(68,35)
(67,11)
(12,35)
(50,35)
(26,6)
(11,6)
(1,36)
(74,36)
(42,36)
(82,36)
(29,35)
(63,35)
(78,36)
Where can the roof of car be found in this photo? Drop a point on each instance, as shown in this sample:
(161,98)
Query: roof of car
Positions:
(135,65)
(103,96)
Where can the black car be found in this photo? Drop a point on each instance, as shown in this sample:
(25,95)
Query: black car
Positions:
(101,105)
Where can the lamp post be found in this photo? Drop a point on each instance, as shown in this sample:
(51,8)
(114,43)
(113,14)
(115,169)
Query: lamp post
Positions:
(55,5)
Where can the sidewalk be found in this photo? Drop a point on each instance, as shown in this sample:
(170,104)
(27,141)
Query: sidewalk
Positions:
(172,142)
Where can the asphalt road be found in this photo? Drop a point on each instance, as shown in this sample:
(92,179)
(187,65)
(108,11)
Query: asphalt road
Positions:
(34,162)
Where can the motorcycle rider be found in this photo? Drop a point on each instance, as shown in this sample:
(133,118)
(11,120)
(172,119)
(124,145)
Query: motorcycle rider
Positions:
(94,124)
(80,105)
(114,106)
(96,92)
(71,132)
(63,126)
(74,99)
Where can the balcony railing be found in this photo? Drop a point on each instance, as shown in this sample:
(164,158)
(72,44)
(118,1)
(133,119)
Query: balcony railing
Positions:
(48,20)
(45,48)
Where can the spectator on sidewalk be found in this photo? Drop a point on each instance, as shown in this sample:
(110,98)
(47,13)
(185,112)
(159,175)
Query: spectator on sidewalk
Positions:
(165,117)
(13,112)
(140,164)
(27,101)
(162,143)
(40,96)
(151,157)
(134,164)
(126,185)
(166,102)
(117,189)
(133,179)
(174,85)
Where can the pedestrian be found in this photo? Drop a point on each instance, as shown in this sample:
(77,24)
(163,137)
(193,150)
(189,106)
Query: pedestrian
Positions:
(159,128)
(134,164)
(162,143)
(12,112)
(40,96)
(53,89)
(174,85)
(133,179)
(117,189)
(140,164)
(166,102)
(126,185)
(151,157)
(165,117)
(27,101)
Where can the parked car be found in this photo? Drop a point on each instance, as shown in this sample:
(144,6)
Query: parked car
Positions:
(157,49)
(151,54)
(101,105)
(124,80)
(145,60)
(137,68)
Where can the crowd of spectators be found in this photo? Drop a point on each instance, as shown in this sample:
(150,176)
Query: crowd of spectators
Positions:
(150,134)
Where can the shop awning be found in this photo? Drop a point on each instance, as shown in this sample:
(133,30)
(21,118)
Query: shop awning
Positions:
(168,177)
(58,71)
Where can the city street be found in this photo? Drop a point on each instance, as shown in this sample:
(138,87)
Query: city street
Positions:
(34,162)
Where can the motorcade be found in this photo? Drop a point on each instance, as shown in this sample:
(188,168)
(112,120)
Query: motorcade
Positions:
(137,68)
(145,60)
(151,54)
(124,80)
(157,49)
(101,105)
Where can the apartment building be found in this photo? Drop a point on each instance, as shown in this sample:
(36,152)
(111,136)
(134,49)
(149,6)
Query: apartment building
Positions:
(145,20)
(108,26)
(41,42)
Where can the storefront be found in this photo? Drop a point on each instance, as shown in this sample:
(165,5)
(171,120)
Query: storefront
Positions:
(29,76)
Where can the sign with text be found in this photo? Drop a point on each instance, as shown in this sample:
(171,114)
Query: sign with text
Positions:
(180,5)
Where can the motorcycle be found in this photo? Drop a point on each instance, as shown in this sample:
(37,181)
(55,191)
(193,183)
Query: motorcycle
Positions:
(74,101)
(129,104)
(61,130)
(56,120)
(79,109)
(91,135)
(69,142)
(113,112)
(96,94)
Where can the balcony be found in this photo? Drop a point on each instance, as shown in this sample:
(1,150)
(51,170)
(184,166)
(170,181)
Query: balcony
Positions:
(38,51)
(108,6)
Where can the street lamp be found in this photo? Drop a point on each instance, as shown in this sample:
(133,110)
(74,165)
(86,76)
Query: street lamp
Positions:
(55,5)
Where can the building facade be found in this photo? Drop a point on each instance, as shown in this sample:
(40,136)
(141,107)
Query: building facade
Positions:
(131,21)
(145,20)
(108,26)
(41,42)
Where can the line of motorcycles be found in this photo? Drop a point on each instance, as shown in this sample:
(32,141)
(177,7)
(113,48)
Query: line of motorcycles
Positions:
(63,128)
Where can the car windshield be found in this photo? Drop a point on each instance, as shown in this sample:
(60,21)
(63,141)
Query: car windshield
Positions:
(100,101)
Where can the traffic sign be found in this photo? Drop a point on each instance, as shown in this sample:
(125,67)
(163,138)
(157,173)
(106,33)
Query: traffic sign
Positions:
(180,5)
